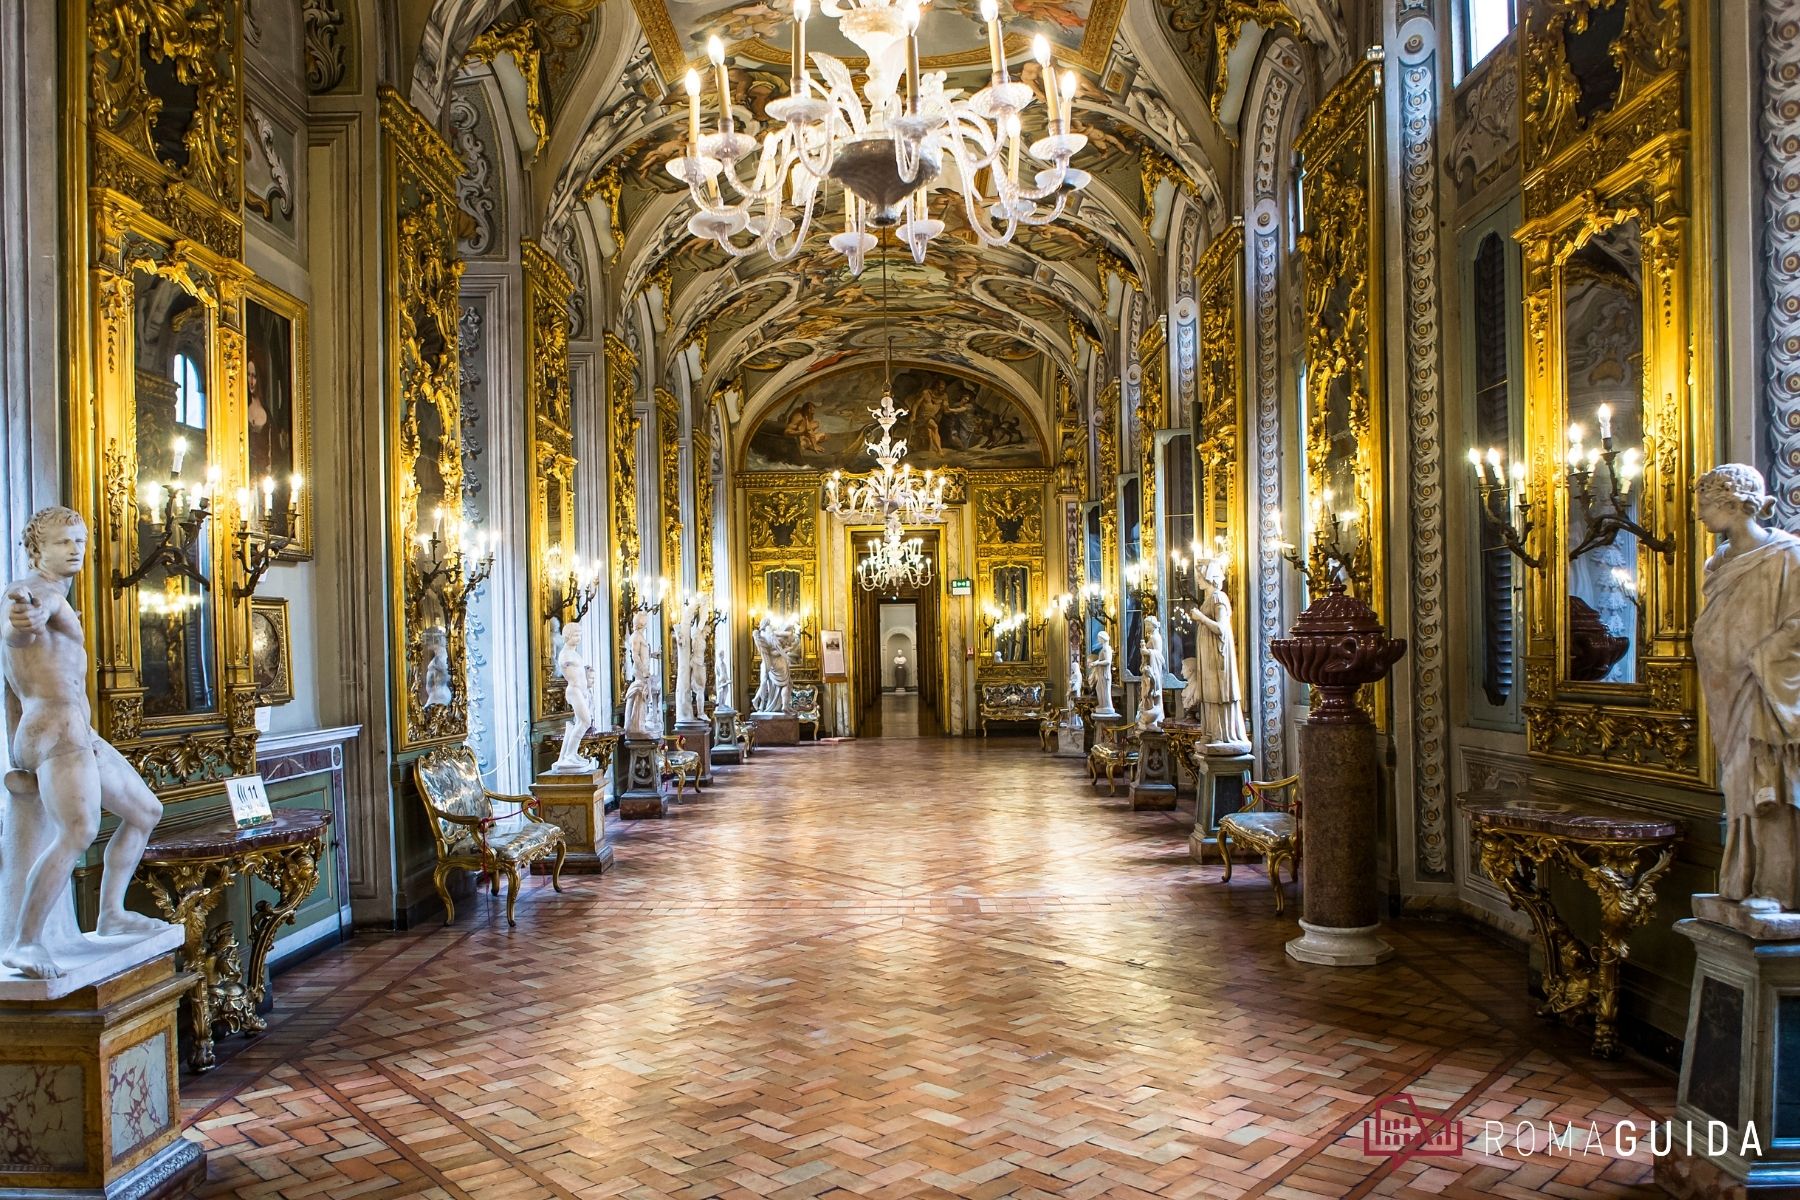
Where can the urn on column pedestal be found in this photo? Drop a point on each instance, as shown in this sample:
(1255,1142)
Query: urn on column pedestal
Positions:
(1336,647)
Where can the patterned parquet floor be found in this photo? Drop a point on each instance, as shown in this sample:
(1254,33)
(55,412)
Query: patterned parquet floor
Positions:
(900,968)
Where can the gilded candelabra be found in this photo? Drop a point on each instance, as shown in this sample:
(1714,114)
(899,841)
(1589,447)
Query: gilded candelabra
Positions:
(1003,625)
(1605,526)
(572,592)
(1140,584)
(258,545)
(1328,550)
(178,513)
(1505,504)
(441,570)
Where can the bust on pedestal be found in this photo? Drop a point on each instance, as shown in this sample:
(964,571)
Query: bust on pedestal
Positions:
(1747,936)
(66,997)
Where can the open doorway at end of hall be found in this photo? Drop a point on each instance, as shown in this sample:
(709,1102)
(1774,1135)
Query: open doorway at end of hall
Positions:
(896,651)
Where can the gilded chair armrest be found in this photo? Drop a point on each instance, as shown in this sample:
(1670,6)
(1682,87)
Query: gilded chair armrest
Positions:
(528,805)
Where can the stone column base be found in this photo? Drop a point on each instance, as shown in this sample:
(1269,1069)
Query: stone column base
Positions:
(111,1130)
(1327,947)
(774,729)
(697,736)
(637,780)
(1153,784)
(575,802)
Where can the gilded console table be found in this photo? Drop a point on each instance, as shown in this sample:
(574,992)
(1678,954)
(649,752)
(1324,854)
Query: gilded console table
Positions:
(1617,855)
(187,873)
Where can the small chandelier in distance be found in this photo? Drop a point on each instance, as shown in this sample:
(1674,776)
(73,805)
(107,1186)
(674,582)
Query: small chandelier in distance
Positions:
(886,147)
(894,560)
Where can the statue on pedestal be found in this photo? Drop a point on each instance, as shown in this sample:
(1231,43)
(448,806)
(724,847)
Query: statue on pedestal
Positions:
(1218,700)
(64,772)
(696,637)
(1747,649)
(684,663)
(578,680)
(776,644)
(434,647)
(1154,659)
(1100,674)
(643,692)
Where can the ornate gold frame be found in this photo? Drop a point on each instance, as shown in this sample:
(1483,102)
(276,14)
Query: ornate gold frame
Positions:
(422,268)
(1340,244)
(128,210)
(1631,161)
(1106,437)
(279,302)
(773,502)
(1152,417)
(1009,510)
(621,479)
(547,290)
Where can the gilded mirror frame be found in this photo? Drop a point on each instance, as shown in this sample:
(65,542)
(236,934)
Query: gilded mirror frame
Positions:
(133,206)
(1629,161)
(781,520)
(1009,510)
(422,276)
(549,399)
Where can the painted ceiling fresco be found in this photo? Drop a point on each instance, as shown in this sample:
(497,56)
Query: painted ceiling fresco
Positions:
(951,420)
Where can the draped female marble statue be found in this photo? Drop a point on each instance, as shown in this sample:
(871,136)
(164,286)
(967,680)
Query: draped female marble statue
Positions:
(1100,676)
(643,694)
(1155,661)
(760,639)
(1219,695)
(721,674)
(776,644)
(578,680)
(1747,649)
(696,637)
(684,662)
(64,772)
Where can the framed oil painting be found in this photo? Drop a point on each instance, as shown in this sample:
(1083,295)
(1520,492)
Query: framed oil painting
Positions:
(278,408)
(271,650)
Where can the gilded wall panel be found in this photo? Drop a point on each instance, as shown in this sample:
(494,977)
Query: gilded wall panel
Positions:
(552,580)
(1011,571)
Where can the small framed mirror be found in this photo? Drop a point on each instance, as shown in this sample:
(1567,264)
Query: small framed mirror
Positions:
(1011,591)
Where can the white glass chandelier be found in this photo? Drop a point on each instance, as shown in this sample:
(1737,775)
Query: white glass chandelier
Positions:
(894,560)
(886,146)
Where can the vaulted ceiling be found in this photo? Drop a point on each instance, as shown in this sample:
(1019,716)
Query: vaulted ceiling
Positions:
(1160,81)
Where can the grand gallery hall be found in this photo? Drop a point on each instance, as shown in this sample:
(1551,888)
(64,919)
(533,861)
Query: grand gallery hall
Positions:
(672,599)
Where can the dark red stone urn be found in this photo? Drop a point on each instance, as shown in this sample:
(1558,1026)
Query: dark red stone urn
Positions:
(1336,647)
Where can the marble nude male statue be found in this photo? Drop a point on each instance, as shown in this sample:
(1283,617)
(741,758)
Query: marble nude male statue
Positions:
(696,637)
(64,772)
(643,694)
(1747,648)
(578,680)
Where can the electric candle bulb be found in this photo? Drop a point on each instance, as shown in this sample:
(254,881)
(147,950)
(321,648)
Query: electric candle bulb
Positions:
(1604,416)
(268,494)
(243,503)
(692,83)
(715,50)
(1475,459)
(990,14)
(1040,49)
(179,446)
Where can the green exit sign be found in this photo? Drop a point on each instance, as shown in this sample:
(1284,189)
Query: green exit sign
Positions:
(961,587)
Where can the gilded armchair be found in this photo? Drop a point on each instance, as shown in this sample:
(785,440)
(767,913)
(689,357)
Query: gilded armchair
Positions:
(1269,824)
(470,836)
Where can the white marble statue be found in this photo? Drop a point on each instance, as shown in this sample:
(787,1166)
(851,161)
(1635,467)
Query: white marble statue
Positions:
(721,672)
(578,680)
(696,636)
(1074,688)
(776,643)
(1154,660)
(64,772)
(759,639)
(1219,703)
(1747,649)
(1100,675)
(679,631)
(643,691)
(434,642)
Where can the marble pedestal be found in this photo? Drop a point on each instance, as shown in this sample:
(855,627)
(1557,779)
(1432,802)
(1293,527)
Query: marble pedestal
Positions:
(1743,1014)
(697,736)
(637,780)
(726,749)
(775,729)
(1218,792)
(1341,908)
(1153,783)
(111,1130)
(575,802)
(1071,736)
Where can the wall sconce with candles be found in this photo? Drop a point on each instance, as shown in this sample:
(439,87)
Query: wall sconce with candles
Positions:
(441,566)
(1622,467)
(1505,502)
(258,545)
(1140,584)
(1004,625)
(1329,527)
(178,512)
(572,591)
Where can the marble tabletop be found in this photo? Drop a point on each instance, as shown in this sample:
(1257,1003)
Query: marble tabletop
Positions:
(222,839)
(1530,812)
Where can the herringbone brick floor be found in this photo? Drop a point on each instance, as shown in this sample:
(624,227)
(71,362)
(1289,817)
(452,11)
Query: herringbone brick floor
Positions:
(898,968)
